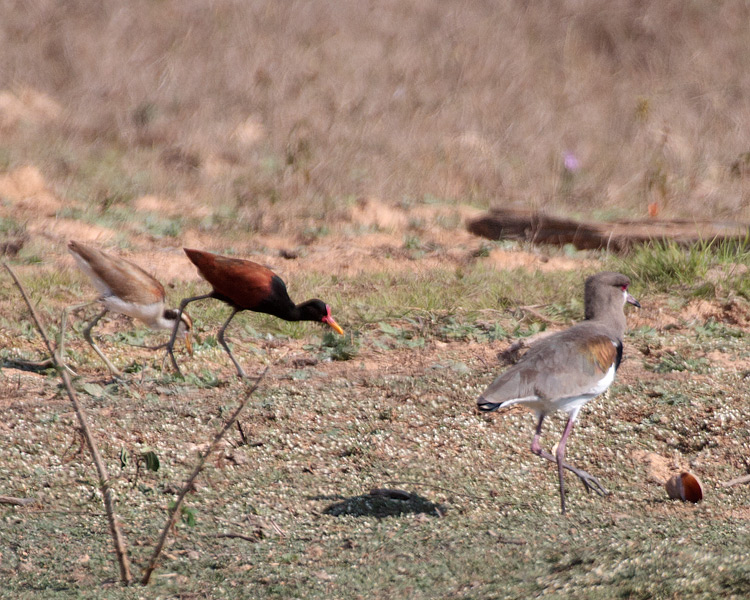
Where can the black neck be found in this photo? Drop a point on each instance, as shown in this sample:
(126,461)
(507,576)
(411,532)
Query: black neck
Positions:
(304,311)
(290,311)
(279,304)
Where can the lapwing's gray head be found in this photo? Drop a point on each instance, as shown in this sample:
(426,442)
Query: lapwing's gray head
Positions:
(605,294)
(184,328)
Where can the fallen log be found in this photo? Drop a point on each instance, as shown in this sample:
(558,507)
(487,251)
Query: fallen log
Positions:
(616,236)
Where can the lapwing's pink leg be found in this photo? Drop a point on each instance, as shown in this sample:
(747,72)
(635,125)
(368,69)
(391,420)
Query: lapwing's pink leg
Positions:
(589,481)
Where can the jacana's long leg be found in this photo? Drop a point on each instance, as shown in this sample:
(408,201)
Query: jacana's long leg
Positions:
(589,481)
(87,334)
(178,320)
(223,342)
(60,351)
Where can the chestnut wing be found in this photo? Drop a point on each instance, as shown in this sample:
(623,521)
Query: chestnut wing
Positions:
(243,283)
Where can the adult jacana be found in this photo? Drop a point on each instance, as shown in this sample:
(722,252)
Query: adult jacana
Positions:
(567,369)
(127,289)
(246,285)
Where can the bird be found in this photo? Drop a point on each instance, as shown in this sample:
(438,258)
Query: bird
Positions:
(246,285)
(127,289)
(567,369)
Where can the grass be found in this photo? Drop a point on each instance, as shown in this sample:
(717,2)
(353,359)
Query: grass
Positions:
(320,437)
(707,269)
(470,303)
(417,125)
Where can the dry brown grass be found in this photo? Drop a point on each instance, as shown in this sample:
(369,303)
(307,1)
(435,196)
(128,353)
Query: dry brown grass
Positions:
(308,103)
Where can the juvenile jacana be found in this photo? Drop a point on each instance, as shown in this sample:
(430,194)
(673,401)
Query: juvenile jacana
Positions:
(569,368)
(246,285)
(127,289)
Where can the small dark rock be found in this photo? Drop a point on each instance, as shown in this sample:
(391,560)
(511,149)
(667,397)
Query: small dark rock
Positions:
(304,361)
(288,254)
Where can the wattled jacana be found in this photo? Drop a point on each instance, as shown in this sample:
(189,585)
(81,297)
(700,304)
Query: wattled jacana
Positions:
(246,285)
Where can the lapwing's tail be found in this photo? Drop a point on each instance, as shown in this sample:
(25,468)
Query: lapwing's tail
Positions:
(487,406)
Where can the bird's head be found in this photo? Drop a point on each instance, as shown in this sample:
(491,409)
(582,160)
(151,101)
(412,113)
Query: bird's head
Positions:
(317,310)
(606,292)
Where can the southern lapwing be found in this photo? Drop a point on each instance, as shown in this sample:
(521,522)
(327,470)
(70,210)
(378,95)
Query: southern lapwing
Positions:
(246,285)
(569,368)
(127,289)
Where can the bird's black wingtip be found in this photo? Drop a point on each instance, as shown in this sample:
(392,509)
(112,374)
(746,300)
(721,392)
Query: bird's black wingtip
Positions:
(486,406)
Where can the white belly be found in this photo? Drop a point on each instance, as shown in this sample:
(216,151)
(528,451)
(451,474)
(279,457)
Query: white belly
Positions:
(568,404)
(150,314)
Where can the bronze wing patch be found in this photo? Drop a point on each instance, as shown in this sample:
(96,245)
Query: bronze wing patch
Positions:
(601,352)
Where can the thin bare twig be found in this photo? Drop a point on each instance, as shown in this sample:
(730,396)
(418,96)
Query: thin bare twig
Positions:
(120,550)
(106,490)
(243,437)
(175,509)
(37,321)
(16,501)
(737,481)
(240,536)
(511,541)
(31,364)
(276,528)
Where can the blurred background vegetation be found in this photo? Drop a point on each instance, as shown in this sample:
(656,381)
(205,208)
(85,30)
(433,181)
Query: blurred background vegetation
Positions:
(276,115)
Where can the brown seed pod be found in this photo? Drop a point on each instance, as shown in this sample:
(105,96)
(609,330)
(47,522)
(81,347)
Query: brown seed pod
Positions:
(686,487)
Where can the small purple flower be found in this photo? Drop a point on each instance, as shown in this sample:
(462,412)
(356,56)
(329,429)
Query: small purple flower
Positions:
(571,162)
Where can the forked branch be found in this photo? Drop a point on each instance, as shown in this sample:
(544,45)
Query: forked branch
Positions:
(117,538)
(175,509)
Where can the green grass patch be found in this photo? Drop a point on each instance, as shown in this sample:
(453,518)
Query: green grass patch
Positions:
(665,265)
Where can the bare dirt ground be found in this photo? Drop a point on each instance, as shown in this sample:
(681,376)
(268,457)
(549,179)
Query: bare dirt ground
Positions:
(400,414)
